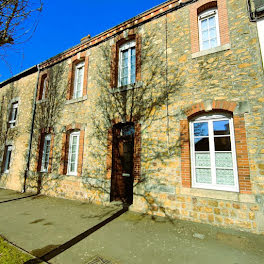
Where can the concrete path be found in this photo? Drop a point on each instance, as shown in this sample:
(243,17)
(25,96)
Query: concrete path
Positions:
(64,231)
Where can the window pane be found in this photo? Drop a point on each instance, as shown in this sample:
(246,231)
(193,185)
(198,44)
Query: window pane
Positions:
(201,144)
(125,72)
(125,55)
(203,176)
(223,160)
(72,169)
(222,144)
(200,129)
(15,114)
(204,24)
(133,79)
(206,45)
(128,131)
(124,81)
(133,52)
(221,127)
(212,22)
(202,160)
(8,158)
(212,33)
(225,177)
(205,35)
(213,43)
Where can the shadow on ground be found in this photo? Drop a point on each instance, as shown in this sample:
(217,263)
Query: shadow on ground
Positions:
(54,250)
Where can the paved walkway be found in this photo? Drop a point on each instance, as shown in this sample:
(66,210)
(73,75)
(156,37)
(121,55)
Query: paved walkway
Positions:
(63,231)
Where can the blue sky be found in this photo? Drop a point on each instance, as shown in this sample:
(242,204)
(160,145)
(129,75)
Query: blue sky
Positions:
(63,23)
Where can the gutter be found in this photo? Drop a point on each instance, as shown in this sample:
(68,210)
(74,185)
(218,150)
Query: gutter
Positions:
(31,132)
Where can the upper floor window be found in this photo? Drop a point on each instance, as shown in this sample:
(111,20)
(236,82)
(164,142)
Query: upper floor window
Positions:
(78,80)
(209,29)
(213,156)
(127,64)
(73,153)
(46,153)
(7,158)
(44,87)
(13,114)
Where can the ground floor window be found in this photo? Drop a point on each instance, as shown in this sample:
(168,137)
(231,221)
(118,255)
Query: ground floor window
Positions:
(7,158)
(213,156)
(46,153)
(73,153)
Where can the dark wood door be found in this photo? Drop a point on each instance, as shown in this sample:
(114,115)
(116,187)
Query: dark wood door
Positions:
(122,170)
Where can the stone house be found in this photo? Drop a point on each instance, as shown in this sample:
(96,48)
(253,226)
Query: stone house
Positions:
(163,112)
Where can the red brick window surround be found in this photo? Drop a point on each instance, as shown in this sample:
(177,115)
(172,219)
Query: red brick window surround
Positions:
(45,150)
(43,86)
(67,137)
(201,6)
(240,144)
(120,41)
(78,76)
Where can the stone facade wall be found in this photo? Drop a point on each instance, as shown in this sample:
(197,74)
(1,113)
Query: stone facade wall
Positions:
(232,73)
(21,91)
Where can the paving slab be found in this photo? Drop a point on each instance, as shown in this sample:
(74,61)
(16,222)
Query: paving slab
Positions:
(47,226)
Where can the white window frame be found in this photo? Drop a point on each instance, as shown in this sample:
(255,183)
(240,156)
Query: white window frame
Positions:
(72,135)
(127,46)
(205,15)
(44,88)
(45,157)
(9,149)
(210,118)
(13,116)
(78,67)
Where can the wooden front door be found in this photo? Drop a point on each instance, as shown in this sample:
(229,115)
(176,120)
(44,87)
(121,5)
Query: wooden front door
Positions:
(122,170)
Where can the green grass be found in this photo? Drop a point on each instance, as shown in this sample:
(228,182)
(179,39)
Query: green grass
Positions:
(11,255)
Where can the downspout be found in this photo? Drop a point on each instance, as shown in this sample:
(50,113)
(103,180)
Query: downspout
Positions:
(31,133)
(167,99)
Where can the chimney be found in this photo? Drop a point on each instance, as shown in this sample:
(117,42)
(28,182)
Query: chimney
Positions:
(85,38)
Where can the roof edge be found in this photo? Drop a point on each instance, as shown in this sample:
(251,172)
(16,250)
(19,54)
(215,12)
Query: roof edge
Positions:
(20,75)
(156,11)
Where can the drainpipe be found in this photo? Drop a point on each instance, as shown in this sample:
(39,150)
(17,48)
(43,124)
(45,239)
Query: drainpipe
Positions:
(31,133)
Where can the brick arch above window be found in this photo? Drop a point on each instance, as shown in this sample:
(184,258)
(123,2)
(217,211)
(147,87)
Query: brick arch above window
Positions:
(75,60)
(214,105)
(201,6)
(240,142)
(204,7)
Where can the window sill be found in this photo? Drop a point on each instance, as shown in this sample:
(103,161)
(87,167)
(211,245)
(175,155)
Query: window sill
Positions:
(126,87)
(11,127)
(71,174)
(210,51)
(220,195)
(76,100)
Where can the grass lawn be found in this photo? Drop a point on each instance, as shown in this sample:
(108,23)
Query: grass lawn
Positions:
(11,255)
